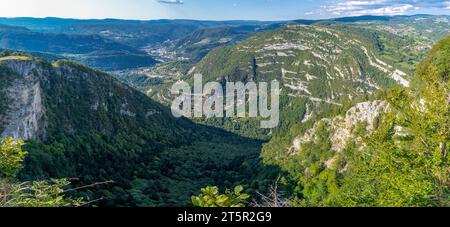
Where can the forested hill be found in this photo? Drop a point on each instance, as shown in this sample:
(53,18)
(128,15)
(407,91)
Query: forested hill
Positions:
(84,124)
(319,67)
(387,152)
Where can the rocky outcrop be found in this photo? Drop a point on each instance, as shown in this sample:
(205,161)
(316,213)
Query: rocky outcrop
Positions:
(362,112)
(23,116)
(342,128)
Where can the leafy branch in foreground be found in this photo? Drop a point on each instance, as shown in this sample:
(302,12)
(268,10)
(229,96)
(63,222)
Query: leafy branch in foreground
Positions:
(210,197)
(39,194)
(11,157)
(31,194)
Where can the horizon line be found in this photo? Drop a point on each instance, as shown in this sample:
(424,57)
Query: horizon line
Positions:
(214,20)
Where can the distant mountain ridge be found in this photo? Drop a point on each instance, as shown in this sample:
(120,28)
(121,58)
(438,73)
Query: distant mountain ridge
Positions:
(90,49)
(108,44)
(146,40)
(55,22)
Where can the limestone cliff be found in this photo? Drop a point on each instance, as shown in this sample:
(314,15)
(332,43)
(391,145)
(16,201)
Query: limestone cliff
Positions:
(23,113)
(341,128)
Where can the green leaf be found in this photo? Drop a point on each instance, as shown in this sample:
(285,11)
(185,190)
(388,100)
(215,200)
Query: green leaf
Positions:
(238,189)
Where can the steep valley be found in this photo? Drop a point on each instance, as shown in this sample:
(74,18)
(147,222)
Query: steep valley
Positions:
(84,124)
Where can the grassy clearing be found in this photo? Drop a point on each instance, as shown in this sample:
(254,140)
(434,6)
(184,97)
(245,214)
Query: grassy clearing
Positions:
(22,58)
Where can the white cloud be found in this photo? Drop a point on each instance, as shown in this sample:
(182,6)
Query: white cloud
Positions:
(175,2)
(382,7)
(389,10)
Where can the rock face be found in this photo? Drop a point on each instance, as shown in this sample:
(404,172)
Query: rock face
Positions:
(23,116)
(362,112)
(341,128)
(38,98)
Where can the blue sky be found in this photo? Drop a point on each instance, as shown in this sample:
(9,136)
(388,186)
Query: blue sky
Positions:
(219,9)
